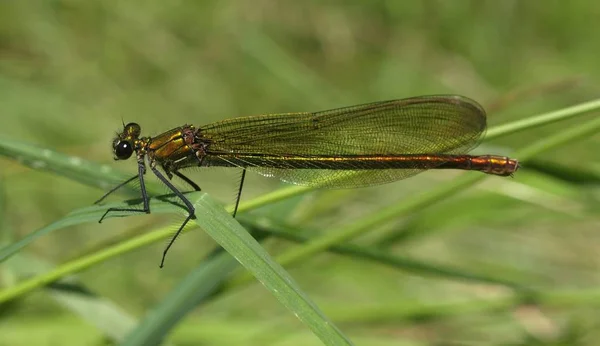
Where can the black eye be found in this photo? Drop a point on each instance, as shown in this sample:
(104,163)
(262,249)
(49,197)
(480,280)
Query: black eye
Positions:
(123,150)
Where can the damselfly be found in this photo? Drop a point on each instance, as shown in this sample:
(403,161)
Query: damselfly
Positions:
(349,147)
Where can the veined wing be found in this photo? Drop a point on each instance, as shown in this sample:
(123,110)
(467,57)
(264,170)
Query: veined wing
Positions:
(444,124)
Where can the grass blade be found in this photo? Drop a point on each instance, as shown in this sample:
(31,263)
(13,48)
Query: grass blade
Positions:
(376,255)
(196,287)
(72,167)
(239,243)
(84,215)
(227,232)
(542,119)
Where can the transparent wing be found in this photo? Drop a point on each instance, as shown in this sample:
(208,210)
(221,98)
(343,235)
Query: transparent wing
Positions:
(444,124)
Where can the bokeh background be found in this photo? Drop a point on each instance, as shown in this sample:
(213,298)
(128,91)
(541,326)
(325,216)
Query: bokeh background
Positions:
(72,71)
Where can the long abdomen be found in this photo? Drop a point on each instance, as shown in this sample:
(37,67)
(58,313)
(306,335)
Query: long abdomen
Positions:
(490,164)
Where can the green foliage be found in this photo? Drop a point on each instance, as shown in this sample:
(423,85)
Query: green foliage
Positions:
(439,258)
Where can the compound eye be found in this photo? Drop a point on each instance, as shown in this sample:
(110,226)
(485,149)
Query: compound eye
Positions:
(123,150)
(133,130)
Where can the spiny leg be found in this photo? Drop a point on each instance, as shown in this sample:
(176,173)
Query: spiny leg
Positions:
(116,188)
(188,204)
(239,193)
(141,172)
(187,180)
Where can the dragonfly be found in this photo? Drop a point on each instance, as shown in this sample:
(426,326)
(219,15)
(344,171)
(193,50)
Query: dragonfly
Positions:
(349,147)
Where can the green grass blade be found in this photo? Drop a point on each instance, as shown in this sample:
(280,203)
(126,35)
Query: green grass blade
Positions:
(542,119)
(579,175)
(364,253)
(345,233)
(88,214)
(409,312)
(570,134)
(240,244)
(84,215)
(103,313)
(71,167)
(196,287)
(227,232)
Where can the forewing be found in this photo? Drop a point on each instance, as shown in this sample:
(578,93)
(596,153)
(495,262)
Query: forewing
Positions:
(445,124)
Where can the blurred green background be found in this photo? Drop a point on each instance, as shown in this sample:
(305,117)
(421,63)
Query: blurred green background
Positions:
(72,71)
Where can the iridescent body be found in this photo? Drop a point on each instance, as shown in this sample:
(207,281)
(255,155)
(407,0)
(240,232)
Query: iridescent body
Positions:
(348,147)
